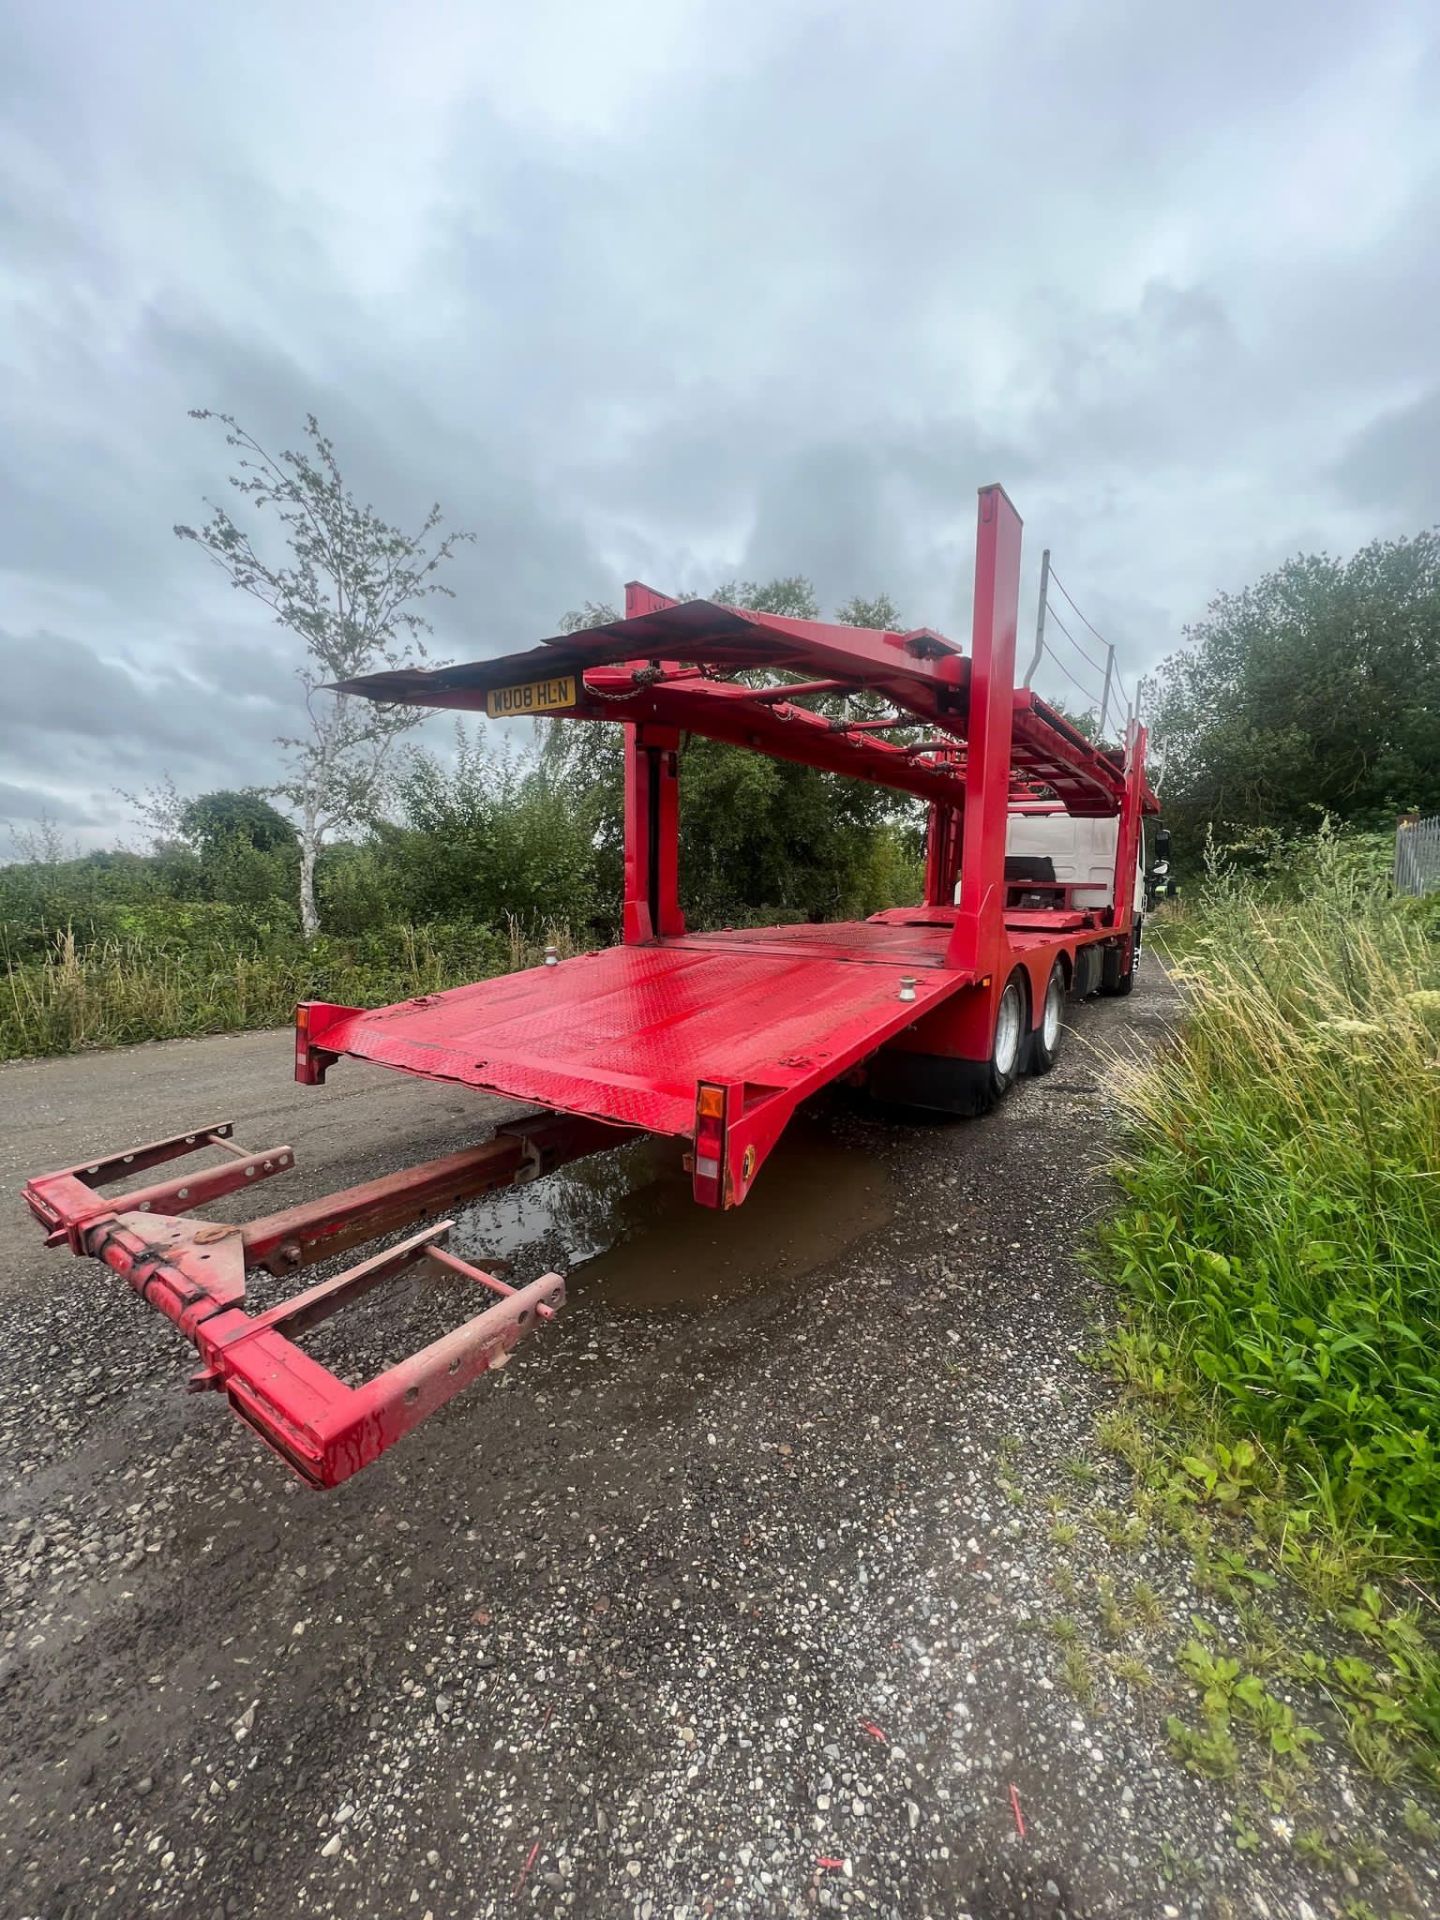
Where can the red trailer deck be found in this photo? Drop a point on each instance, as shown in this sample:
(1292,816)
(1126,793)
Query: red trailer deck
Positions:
(710,1038)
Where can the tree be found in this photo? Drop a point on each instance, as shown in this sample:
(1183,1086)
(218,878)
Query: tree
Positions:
(212,819)
(879,613)
(594,613)
(488,836)
(42,845)
(1315,691)
(790,595)
(349,585)
(758,835)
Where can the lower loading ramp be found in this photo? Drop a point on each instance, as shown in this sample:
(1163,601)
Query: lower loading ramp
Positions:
(628,1035)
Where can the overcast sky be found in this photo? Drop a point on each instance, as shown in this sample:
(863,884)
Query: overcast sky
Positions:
(686,290)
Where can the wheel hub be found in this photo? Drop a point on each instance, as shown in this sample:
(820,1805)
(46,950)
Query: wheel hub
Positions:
(1051,1017)
(1007,1031)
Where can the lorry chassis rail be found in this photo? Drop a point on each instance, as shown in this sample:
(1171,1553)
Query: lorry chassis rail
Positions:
(193,1271)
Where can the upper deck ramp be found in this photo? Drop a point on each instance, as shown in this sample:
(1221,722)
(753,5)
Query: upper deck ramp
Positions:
(678,665)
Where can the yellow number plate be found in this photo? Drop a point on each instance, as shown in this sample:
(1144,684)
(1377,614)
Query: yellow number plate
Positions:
(536,696)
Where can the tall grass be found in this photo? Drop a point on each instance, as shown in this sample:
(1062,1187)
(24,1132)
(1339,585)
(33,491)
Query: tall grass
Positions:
(114,991)
(1282,1182)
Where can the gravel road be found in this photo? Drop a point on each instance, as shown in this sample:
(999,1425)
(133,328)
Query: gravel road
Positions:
(721,1599)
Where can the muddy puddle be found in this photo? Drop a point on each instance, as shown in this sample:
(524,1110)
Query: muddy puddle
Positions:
(624,1229)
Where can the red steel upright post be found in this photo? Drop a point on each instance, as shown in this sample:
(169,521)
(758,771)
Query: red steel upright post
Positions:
(942,853)
(652,813)
(979,924)
(1127,833)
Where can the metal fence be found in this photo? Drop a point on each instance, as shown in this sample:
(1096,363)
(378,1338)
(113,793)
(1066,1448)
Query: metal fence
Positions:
(1417,854)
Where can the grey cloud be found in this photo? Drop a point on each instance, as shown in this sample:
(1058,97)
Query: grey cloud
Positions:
(1394,463)
(25,806)
(58,686)
(778,296)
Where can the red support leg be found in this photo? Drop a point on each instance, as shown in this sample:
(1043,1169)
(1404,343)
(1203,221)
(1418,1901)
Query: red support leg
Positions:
(942,855)
(638,927)
(652,812)
(652,834)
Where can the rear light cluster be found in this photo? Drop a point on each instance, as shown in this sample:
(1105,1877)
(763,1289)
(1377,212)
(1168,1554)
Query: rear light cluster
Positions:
(709,1173)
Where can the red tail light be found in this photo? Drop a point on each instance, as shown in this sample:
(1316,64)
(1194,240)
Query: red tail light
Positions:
(709,1173)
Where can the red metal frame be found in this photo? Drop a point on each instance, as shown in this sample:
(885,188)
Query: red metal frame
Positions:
(634,1042)
(193,1272)
(711,1038)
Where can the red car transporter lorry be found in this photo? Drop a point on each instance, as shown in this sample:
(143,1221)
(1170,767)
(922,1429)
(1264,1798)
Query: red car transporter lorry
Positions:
(711,1039)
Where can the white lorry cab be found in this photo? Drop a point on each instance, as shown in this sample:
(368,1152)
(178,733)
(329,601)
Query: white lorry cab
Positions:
(1053,859)
(1050,847)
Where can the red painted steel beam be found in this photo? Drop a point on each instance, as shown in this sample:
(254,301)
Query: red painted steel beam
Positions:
(978,931)
(676,631)
(721,711)
(317,1229)
(799,690)
(1127,835)
(651,908)
(328,1431)
(193,1272)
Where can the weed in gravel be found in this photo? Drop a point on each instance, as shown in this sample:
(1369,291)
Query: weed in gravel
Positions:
(1376,1752)
(1209,1750)
(1063,1533)
(1125,1531)
(1226,1573)
(1328,1567)
(1115,1623)
(1065,1629)
(1083,1472)
(1148,1607)
(1389,1704)
(1131,1671)
(1262,1644)
(1122,1434)
(1387,1698)
(1079,1675)
(1145,1361)
(1366,1853)
(1179,1869)
(1226,1474)
(1230,1695)
(1311,1844)
(1421,1823)
(1272,1719)
(1280,1788)
(1244,1829)
(1062,1578)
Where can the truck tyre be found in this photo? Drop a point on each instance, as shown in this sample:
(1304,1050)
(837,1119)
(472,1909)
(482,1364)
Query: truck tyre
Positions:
(1008,1040)
(1045,1041)
(940,1083)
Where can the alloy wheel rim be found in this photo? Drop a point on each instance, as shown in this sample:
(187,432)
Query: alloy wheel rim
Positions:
(1007,1031)
(1051,1027)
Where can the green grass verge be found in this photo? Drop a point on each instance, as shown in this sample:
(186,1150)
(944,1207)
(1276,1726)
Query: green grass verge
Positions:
(1277,1252)
(1281,1225)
